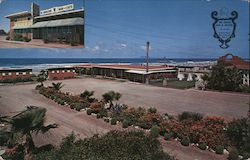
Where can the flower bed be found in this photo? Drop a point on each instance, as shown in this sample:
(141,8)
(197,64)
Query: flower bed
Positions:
(205,132)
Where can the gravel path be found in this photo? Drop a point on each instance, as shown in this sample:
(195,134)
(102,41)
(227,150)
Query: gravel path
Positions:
(14,98)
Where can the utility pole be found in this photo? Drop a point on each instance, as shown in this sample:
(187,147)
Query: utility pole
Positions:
(147,55)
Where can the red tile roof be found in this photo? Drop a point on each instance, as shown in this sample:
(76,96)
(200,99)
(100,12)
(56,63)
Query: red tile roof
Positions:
(126,66)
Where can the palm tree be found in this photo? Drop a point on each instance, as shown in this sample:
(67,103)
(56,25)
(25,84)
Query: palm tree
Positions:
(27,122)
(87,95)
(110,96)
(42,77)
(57,86)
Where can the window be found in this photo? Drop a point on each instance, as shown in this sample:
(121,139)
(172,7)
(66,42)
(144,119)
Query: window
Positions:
(17,73)
(74,71)
(30,72)
(3,74)
(68,70)
(53,71)
(57,71)
(63,71)
(10,73)
(24,73)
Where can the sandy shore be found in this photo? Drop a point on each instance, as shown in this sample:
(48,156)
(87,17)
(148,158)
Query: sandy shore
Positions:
(15,98)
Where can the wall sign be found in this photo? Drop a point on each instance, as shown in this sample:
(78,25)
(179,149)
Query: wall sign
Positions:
(224,27)
(57,9)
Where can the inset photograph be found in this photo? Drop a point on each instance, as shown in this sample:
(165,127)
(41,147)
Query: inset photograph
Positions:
(42,24)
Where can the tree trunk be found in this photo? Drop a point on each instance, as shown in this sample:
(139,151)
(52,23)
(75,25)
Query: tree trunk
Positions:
(28,147)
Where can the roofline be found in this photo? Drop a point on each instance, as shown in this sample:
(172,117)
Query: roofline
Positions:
(14,69)
(60,13)
(60,68)
(17,14)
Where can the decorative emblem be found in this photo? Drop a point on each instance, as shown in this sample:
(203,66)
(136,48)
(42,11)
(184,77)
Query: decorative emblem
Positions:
(224,27)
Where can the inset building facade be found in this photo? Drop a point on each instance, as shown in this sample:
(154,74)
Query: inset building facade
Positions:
(58,24)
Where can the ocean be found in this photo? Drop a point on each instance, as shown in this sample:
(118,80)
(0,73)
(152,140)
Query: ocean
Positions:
(42,63)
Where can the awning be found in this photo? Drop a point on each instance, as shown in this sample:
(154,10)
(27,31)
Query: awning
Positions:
(59,22)
(40,24)
(21,27)
(143,72)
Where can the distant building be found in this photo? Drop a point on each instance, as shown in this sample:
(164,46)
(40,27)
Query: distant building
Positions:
(136,73)
(57,24)
(61,73)
(193,72)
(240,64)
(10,73)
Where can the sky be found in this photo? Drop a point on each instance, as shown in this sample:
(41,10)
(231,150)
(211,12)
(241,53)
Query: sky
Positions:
(121,28)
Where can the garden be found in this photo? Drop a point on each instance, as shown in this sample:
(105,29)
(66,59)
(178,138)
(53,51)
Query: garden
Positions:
(206,132)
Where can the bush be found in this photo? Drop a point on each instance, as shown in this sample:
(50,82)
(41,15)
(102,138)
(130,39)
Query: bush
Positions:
(168,136)
(233,155)
(190,115)
(125,124)
(237,133)
(79,106)
(152,110)
(113,121)
(185,141)
(246,155)
(98,115)
(106,120)
(154,131)
(7,38)
(18,37)
(122,145)
(26,39)
(89,111)
(202,146)
(219,149)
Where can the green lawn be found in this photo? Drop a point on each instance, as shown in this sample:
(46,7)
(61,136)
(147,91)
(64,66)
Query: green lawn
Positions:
(180,84)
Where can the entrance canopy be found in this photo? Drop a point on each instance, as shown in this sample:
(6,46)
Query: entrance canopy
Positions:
(59,23)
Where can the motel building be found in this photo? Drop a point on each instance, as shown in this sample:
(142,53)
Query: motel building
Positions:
(63,24)
(11,73)
(61,73)
(135,73)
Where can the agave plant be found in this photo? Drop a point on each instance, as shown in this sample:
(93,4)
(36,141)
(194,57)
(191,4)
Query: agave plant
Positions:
(111,96)
(87,95)
(57,86)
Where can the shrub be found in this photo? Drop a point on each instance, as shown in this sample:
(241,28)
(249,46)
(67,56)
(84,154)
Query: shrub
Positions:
(202,146)
(154,131)
(18,37)
(98,115)
(113,121)
(168,136)
(26,39)
(125,124)
(152,110)
(7,38)
(106,120)
(219,149)
(122,145)
(79,106)
(185,141)
(246,155)
(190,115)
(89,111)
(233,155)
(237,133)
